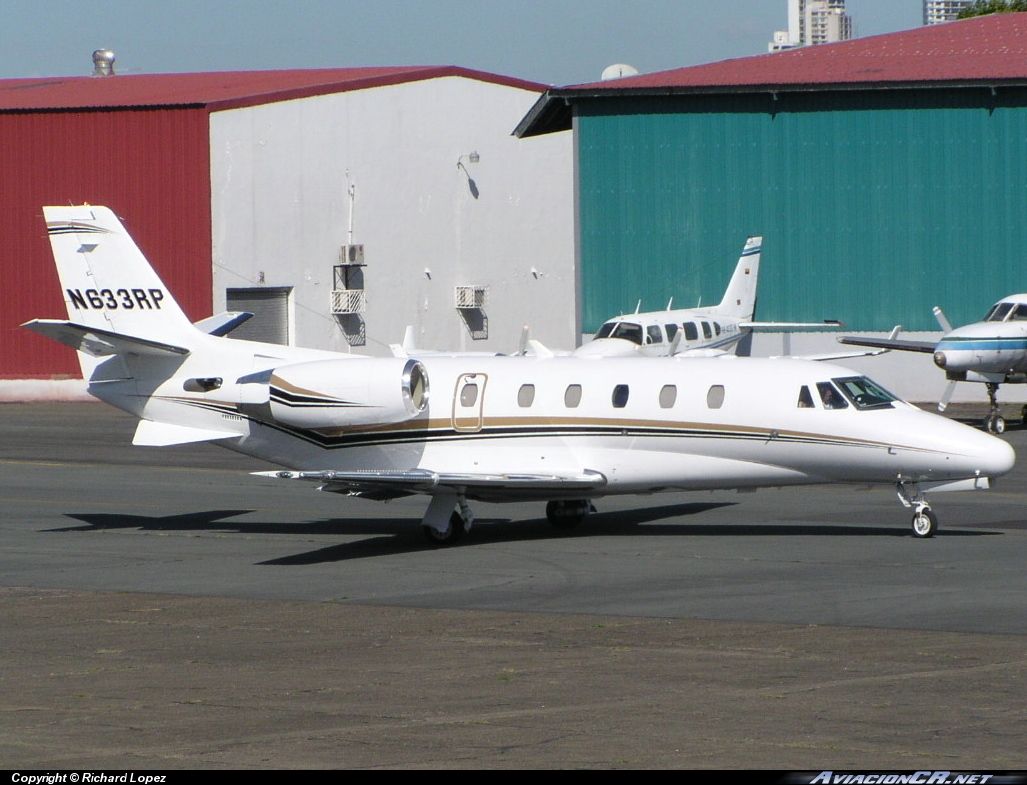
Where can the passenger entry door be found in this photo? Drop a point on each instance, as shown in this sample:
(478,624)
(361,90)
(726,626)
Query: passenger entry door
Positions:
(468,400)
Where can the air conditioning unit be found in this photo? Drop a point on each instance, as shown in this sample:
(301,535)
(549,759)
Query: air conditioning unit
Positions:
(348,301)
(472,296)
(352,254)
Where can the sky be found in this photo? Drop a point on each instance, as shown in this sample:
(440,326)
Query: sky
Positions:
(557,42)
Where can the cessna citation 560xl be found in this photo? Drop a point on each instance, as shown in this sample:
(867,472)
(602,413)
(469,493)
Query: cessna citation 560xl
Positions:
(565,430)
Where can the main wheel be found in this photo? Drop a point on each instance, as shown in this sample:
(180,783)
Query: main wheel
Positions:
(454,531)
(925,524)
(567,514)
(994,423)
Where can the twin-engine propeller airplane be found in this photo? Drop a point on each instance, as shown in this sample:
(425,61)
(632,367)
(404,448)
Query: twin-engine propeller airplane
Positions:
(564,430)
(705,331)
(990,352)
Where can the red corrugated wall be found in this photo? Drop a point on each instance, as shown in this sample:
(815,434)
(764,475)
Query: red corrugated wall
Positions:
(151,166)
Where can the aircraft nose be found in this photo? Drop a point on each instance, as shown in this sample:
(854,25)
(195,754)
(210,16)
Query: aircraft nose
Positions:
(940,359)
(992,456)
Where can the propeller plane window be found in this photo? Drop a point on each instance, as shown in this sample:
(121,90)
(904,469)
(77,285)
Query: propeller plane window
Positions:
(706,331)
(672,330)
(1020,313)
(653,334)
(691,331)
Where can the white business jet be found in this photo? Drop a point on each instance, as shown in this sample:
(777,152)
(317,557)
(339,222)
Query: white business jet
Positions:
(990,352)
(558,429)
(705,331)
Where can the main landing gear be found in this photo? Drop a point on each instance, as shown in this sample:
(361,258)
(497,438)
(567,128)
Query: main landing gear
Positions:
(449,517)
(994,423)
(567,514)
(444,525)
(925,522)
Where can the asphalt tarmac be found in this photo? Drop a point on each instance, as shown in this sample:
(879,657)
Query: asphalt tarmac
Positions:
(161,609)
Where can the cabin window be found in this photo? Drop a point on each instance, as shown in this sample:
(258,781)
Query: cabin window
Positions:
(865,394)
(469,395)
(672,330)
(691,331)
(654,333)
(805,398)
(715,397)
(668,395)
(706,330)
(716,327)
(620,396)
(526,395)
(830,397)
(572,396)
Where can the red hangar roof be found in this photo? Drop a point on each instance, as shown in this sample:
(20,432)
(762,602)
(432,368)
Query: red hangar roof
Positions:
(217,91)
(986,51)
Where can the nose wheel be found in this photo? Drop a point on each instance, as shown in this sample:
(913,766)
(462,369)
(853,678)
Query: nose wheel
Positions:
(925,522)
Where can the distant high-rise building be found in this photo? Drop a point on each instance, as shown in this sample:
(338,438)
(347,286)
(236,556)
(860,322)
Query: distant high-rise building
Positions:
(938,11)
(813,22)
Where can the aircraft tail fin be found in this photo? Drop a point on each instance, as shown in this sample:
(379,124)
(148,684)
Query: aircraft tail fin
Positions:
(108,284)
(740,297)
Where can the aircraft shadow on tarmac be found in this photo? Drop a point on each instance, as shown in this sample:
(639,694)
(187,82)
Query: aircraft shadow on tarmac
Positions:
(390,536)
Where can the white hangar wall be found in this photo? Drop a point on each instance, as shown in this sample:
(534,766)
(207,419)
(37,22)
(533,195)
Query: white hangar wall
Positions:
(281,212)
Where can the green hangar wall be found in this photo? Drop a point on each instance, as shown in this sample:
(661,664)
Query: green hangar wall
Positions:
(874,205)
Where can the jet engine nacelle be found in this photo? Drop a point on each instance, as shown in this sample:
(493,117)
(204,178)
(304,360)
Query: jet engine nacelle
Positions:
(334,393)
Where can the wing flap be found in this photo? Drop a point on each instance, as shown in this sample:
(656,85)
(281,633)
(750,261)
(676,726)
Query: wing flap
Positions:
(426,481)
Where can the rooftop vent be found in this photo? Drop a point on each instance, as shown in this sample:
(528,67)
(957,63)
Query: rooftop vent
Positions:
(103,62)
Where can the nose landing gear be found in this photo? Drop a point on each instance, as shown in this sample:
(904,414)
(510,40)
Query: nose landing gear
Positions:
(925,522)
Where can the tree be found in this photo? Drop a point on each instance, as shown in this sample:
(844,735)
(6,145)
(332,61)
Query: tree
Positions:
(984,7)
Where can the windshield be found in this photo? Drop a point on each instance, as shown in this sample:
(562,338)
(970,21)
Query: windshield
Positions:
(999,312)
(626,331)
(864,393)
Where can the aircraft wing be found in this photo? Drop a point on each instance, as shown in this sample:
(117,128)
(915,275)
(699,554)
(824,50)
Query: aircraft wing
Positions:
(927,347)
(382,483)
(829,324)
(97,342)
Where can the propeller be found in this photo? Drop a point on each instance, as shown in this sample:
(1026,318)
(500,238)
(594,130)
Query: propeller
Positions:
(939,314)
(946,396)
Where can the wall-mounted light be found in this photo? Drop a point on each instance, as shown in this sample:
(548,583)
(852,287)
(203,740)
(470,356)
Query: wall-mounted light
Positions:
(472,158)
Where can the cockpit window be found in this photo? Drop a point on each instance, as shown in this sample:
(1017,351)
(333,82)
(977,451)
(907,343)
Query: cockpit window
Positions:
(864,393)
(805,399)
(626,331)
(999,312)
(1019,314)
(654,334)
(830,397)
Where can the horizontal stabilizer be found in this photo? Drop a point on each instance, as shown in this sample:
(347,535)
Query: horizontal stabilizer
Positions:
(926,347)
(159,434)
(222,324)
(100,343)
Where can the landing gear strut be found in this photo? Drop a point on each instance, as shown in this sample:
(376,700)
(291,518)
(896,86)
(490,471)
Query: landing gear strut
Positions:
(994,423)
(925,522)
